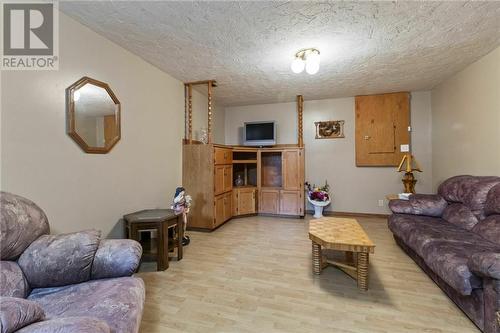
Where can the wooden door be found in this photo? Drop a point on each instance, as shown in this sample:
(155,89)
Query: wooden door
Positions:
(228,178)
(292,166)
(289,202)
(382,126)
(269,201)
(228,207)
(244,201)
(219,210)
(219,177)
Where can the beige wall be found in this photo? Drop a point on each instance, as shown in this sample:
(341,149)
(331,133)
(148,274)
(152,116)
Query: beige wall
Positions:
(354,189)
(466,121)
(78,190)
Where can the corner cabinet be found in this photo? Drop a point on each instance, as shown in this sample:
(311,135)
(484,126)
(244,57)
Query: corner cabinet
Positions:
(273,182)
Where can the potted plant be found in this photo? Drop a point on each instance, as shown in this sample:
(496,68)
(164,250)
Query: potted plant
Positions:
(319,197)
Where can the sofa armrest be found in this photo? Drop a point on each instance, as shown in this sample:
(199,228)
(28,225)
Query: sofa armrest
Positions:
(116,258)
(68,325)
(16,313)
(419,204)
(485,264)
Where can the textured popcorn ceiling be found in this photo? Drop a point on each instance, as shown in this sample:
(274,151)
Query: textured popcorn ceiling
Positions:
(366,47)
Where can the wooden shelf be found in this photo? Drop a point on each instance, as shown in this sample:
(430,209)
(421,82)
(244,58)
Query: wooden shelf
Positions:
(244,161)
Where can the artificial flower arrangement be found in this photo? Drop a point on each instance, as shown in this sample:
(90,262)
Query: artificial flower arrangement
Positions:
(318,193)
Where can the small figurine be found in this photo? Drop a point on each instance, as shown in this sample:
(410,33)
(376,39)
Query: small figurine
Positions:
(181,205)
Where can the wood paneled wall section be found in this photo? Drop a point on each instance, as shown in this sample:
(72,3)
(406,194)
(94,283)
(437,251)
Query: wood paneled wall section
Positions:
(382,123)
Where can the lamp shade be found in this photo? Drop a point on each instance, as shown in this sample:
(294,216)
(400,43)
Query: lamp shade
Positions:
(297,65)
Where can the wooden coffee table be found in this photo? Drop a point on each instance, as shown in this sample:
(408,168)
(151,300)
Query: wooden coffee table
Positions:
(341,234)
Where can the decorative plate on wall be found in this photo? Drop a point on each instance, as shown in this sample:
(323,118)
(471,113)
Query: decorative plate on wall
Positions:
(332,129)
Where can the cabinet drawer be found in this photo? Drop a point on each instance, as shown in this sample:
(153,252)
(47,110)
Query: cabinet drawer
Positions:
(223,156)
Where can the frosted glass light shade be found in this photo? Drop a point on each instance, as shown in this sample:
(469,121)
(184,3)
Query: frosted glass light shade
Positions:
(312,63)
(297,65)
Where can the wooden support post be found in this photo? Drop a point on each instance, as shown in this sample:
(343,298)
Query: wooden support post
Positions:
(362,270)
(300,111)
(209,127)
(317,258)
(190,113)
(185,113)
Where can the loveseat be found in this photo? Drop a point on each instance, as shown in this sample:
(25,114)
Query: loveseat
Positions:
(454,236)
(75,282)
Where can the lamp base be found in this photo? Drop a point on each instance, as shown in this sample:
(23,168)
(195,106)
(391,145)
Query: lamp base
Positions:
(409,182)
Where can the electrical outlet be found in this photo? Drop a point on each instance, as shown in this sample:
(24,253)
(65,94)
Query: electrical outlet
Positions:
(381,203)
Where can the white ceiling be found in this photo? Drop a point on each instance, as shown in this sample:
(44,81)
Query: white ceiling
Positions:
(366,47)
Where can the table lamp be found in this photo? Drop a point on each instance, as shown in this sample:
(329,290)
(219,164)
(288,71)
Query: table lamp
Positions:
(409,180)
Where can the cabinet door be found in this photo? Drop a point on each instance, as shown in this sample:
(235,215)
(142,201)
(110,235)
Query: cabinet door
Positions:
(269,201)
(292,167)
(245,200)
(382,123)
(219,210)
(289,202)
(223,156)
(228,207)
(228,178)
(219,179)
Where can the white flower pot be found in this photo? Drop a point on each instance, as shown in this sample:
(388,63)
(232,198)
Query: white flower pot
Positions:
(318,207)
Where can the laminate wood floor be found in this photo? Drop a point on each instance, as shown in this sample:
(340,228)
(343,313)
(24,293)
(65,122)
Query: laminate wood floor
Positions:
(254,275)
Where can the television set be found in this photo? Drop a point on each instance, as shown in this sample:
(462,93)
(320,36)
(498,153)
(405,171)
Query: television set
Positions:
(259,133)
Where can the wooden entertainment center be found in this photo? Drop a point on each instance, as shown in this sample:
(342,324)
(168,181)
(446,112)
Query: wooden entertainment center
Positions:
(273,182)
(272,177)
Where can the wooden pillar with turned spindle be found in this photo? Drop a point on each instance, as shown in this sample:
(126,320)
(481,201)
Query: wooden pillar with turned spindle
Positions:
(209,125)
(300,112)
(190,112)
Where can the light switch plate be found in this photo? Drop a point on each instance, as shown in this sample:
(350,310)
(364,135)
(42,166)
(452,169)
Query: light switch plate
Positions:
(405,148)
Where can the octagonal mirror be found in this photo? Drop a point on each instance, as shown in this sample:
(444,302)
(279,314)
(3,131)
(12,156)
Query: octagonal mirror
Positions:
(93,115)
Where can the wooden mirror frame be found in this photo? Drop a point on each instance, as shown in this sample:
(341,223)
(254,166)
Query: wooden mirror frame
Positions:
(70,115)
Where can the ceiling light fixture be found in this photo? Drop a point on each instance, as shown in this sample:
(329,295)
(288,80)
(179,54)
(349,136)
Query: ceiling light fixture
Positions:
(308,59)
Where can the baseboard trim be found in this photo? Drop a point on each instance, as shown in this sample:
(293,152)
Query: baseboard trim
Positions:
(350,214)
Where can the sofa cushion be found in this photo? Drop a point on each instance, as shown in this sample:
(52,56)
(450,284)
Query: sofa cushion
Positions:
(118,302)
(418,231)
(455,189)
(477,196)
(492,205)
(12,280)
(489,228)
(403,225)
(460,215)
(449,259)
(21,222)
(58,260)
(16,313)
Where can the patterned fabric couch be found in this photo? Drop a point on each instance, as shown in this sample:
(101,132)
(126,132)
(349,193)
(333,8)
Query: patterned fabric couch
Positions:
(454,237)
(75,282)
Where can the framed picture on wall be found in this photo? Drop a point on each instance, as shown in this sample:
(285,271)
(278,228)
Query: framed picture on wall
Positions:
(332,129)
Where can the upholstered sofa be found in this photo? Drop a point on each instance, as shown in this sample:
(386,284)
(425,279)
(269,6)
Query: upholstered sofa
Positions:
(67,283)
(454,237)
